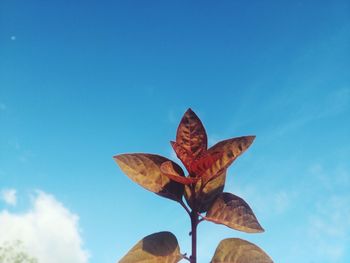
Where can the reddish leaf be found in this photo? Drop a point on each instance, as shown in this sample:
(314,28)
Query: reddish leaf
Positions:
(230,149)
(234,212)
(191,134)
(201,165)
(185,156)
(144,169)
(168,169)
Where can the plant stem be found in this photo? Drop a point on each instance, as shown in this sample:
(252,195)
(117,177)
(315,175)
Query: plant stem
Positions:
(194,224)
(185,207)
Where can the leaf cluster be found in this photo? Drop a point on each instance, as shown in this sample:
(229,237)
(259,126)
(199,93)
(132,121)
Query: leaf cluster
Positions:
(202,189)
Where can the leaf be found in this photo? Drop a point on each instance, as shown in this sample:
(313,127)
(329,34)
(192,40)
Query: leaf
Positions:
(206,195)
(235,250)
(161,247)
(144,169)
(191,134)
(185,156)
(230,149)
(168,169)
(234,212)
(202,164)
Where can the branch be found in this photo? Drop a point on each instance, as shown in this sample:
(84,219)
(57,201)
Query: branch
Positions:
(185,207)
(202,218)
(186,257)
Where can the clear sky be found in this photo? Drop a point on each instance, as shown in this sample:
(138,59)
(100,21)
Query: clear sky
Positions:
(81,81)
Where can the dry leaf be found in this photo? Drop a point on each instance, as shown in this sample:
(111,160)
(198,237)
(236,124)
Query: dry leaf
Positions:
(144,169)
(232,211)
(159,247)
(235,250)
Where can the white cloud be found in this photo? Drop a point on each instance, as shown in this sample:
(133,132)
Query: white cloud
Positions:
(9,196)
(48,230)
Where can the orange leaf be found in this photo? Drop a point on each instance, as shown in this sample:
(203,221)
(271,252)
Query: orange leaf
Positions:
(168,169)
(199,166)
(191,134)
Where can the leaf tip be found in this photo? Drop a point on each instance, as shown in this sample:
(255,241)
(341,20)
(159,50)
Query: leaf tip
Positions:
(261,229)
(118,157)
(251,137)
(190,112)
(115,157)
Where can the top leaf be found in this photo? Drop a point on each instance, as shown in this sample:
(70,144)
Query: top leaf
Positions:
(156,248)
(144,169)
(191,134)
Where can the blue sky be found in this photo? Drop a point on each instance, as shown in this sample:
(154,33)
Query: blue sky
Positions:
(81,81)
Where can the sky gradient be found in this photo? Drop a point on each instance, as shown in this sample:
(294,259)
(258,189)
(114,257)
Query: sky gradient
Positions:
(81,81)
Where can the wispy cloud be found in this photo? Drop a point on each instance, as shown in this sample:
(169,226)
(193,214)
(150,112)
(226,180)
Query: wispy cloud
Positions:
(329,228)
(331,104)
(9,196)
(326,227)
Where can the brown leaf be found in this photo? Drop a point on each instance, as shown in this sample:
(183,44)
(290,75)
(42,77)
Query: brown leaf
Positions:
(159,247)
(191,134)
(234,212)
(235,250)
(144,169)
(230,149)
(206,195)
(168,169)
